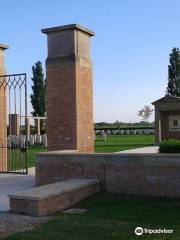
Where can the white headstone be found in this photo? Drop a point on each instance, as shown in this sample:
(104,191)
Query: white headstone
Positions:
(44,140)
(22,142)
(39,139)
(31,140)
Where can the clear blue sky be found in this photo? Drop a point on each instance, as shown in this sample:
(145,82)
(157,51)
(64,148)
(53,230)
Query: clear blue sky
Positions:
(129,52)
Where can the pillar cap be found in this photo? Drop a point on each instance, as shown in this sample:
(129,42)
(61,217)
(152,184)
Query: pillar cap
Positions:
(68,27)
(4,47)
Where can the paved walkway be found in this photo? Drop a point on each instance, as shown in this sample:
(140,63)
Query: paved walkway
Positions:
(11,183)
(150,149)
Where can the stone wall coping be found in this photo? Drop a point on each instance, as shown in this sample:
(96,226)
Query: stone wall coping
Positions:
(54,189)
(107,159)
(3,46)
(75,153)
(67,27)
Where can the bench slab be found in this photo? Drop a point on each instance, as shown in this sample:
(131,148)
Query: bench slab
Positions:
(48,199)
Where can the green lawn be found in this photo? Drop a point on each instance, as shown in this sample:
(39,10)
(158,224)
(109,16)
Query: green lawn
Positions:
(32,151)
(123,142)
(17,159)
(111,217)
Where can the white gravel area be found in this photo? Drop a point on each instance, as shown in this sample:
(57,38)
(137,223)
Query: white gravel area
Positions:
(12,223)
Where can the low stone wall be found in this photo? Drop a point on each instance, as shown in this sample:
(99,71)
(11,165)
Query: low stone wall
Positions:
(138,174)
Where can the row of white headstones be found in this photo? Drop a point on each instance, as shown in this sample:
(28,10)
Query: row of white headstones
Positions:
(20,141)
(125,132)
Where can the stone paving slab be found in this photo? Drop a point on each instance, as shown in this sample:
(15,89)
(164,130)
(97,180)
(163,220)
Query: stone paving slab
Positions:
(75,211)
(150,149)
(12,183)
(54,189)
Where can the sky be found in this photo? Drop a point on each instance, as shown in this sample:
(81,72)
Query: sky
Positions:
(130,52)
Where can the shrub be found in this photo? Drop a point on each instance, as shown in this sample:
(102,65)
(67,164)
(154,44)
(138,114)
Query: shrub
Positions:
(170,146)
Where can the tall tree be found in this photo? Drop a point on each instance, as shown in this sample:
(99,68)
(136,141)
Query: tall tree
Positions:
(38,87)
(173,81)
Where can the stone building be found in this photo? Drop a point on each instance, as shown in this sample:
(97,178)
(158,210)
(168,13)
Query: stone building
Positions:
(167,118)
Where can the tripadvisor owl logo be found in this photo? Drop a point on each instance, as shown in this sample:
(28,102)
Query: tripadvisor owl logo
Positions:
(139,231)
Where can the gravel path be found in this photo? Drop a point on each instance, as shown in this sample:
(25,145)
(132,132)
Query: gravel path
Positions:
(11,223)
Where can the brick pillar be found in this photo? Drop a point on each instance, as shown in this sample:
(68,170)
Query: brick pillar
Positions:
(14,124)
(69,89)
(37,126)
(3,115)
(158,134)
(28,126)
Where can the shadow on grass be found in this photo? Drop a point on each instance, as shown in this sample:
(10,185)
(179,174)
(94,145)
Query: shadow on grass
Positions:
(112,217)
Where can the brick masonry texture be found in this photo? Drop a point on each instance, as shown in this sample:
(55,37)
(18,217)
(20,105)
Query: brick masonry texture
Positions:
(61,108)
(138,174)
(14,126)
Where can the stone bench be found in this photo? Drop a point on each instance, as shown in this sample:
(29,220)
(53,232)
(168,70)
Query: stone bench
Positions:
(47,199)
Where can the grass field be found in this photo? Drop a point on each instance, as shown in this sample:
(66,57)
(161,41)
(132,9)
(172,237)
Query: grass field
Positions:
(123,142)
(112,217)
(32,151)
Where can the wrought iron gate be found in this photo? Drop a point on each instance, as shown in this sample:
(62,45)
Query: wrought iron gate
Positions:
(13,124)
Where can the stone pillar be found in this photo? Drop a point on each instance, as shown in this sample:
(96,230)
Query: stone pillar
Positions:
(3,115)
(28,126)
(69,89)
(37,126)
(14,124)
(157,128)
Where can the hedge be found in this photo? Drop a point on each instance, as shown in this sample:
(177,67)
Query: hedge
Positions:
(170,146)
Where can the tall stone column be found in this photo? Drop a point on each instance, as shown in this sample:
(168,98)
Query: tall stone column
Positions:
(69,89)
(3,114)
(37,126)
(157,128)
(14,124)
(28,126)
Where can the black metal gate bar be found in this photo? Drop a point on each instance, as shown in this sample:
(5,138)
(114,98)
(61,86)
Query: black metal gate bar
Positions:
(13,149)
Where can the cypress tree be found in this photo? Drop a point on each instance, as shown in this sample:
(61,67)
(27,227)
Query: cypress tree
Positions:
(173,73)
(38,88)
